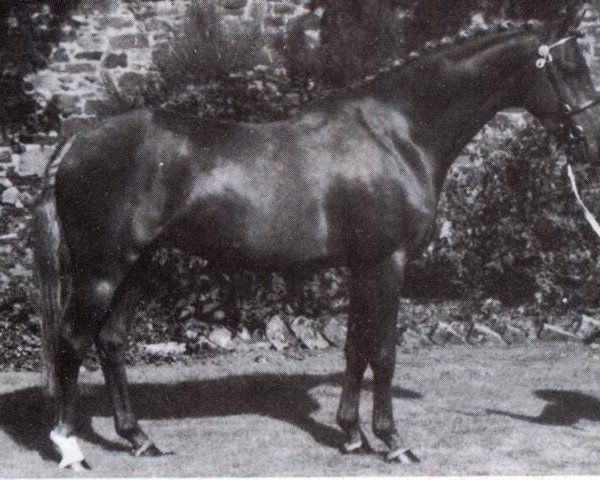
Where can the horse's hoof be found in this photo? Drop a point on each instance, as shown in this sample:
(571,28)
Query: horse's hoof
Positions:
(353,447)
(402,455)
(70,453)
(149,449)
(80,466)
(357,446)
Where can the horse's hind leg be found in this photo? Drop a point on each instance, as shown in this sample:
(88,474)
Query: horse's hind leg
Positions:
(84,312)
(112,347)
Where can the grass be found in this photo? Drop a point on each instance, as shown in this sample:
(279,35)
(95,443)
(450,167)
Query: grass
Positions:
(464,410)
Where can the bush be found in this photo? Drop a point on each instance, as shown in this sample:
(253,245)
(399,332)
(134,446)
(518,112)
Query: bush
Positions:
(509,225)
(27,33)
(216,69)
(208,49)
(191,296)
(357,38)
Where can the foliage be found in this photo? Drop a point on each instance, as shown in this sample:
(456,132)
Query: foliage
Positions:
(357,37)
(19,327)
(195,296)
(510,227)
(27,32)
(218,69)
(208,49)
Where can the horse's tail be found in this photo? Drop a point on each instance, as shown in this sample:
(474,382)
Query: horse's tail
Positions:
(51,259)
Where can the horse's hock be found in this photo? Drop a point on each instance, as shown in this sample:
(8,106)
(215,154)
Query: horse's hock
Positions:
(115,44)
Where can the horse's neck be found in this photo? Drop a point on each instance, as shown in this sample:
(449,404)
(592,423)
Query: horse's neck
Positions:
(452,96)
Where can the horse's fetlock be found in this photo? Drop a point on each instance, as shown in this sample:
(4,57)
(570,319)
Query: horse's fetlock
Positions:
(347,419)
(384,429)
(131,431)
(127,430)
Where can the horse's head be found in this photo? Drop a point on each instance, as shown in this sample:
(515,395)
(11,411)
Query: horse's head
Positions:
(562,94)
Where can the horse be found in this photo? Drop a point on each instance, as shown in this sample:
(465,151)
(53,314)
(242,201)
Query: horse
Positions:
(350,180)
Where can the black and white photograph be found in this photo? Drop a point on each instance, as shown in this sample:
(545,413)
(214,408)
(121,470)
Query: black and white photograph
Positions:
(310,238)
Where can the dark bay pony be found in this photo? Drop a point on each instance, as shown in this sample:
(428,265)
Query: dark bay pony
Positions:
(353,180)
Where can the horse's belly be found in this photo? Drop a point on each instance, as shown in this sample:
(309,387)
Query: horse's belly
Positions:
(236,230)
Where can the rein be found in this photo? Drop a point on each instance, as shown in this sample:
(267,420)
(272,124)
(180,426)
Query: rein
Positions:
(572,134)
(588,215)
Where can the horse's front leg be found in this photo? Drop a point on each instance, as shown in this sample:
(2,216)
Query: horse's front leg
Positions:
(112,347)
(383,307)
(374,299)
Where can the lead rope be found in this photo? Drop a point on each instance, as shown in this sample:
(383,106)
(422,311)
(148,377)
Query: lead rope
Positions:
(588,215)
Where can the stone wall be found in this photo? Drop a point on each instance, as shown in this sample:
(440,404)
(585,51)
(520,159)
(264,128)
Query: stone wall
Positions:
(114,49)
(113,45)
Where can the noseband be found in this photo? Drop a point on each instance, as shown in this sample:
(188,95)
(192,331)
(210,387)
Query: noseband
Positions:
(570,134)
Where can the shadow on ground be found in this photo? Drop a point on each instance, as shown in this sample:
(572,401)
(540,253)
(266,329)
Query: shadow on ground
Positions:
(564,408)
(27,419)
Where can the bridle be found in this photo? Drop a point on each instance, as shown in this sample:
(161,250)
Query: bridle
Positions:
(570,134)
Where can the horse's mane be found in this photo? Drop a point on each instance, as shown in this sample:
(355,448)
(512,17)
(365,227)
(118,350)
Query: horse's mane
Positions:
(469,39)
(476,36)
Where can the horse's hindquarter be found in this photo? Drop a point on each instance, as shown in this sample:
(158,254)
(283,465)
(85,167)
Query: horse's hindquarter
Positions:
(97,187)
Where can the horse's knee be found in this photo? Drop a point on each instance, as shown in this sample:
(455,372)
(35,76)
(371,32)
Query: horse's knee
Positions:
(383,359)
(384,427)
(112,346)
(356,354)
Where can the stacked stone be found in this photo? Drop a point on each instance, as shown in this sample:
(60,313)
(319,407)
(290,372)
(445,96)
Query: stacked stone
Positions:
(114,47)
(114,50)
(19,164)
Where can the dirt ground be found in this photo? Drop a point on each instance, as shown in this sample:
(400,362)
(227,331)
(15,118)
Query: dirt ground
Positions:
(464,410)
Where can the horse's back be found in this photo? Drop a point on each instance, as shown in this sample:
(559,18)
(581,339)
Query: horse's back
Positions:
(330,183)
